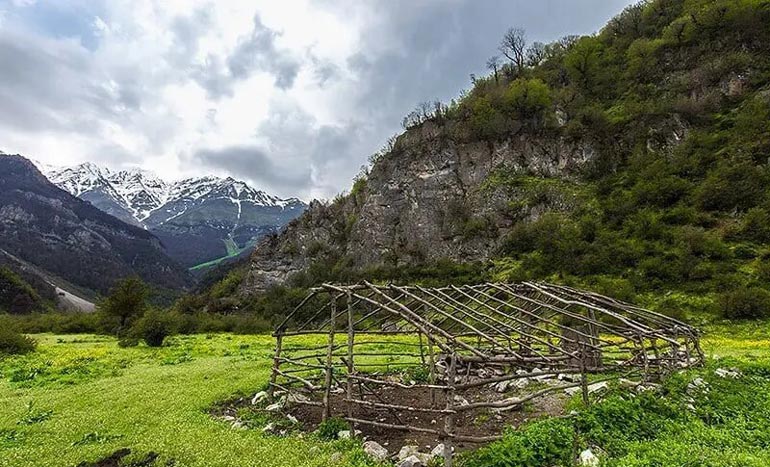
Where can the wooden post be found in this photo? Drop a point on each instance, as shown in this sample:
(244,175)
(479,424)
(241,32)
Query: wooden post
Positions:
(422,349)
(329,368)
(449,418)
(276,364)
(351,367)
(431,371)
(584,375)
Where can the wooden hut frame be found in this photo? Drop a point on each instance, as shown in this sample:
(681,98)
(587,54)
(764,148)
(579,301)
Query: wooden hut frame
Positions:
(462,338)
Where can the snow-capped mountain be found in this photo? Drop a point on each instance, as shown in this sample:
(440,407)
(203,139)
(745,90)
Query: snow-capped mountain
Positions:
(199,219)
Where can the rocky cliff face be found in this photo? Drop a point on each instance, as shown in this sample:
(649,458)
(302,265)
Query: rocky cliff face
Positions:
(430,198)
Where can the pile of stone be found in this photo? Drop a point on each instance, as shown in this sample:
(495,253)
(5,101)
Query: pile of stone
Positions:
(408,456)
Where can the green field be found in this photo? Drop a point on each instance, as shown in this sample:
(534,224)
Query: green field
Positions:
(232,251)
(81,397)
(94,397)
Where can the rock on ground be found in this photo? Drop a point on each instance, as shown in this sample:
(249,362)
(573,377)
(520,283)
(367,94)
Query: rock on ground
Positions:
(375,451)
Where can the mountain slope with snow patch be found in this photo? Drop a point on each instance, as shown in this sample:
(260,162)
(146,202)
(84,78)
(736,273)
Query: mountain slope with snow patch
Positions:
(196,218)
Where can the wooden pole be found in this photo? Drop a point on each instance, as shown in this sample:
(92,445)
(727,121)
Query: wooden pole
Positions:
(276,364)
(449,418)
(431,371)
(584,375)
(351,367)
(329,355)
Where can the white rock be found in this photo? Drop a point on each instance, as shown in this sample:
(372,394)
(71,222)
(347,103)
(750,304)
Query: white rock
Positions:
(460,400)
(276,407)
(258,397)
(438,451)
(292,419)
(408,451)
(728,373)
(588,459)
(502,386)
(411,461)
(346,434)
(592,388)
(375,451)
(698,385)
(294,398)
(520,383)
(268,428)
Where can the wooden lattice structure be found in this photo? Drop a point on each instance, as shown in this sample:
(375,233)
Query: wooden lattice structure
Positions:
(459,338)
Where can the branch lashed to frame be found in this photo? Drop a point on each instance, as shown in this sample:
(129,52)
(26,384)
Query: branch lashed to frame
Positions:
(505,331)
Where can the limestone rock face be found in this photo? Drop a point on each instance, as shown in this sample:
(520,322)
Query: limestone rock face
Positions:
(428,199)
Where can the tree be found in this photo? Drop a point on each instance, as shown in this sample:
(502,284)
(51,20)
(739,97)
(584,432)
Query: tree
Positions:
(127,302)
(494,64)
(582,61)
(513,46)
(536,54)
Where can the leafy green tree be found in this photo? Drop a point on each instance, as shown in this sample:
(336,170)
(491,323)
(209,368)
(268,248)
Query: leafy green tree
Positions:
(528,99)
(125,304)
(582,61)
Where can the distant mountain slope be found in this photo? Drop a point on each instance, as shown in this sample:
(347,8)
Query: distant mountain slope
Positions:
(51,229)
(197,219)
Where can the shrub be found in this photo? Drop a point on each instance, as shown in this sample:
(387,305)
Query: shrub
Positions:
(153,327)
(547,442)
(329,428)
(128,342)
(746,303)
(15,343)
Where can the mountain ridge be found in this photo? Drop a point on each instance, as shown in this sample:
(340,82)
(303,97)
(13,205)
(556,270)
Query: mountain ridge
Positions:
(69,237)
(200,220)
(142,192)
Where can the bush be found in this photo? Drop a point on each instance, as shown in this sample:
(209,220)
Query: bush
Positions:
(329,428)
(14,343)
(153,327)
(128,342)
(547,442)
(746,303)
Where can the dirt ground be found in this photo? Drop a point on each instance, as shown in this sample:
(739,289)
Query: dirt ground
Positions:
(478,422)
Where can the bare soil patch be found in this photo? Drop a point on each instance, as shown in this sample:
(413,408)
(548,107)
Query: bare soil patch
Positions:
(479,423)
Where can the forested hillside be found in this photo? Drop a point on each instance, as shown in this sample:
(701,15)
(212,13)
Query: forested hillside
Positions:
(632,162)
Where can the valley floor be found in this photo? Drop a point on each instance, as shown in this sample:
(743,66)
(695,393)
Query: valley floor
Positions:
(81,397)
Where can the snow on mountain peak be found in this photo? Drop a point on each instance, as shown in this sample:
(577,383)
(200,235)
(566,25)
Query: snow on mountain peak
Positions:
(141,192)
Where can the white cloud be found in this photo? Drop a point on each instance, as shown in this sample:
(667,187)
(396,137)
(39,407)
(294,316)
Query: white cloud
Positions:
(290,95)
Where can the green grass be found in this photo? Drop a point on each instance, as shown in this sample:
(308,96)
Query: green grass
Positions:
(81,397)
(232,251)
(92,397)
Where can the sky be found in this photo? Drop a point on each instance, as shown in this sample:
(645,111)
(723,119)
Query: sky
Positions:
(291,96)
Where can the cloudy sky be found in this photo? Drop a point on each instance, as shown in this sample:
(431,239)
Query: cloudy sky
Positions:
(290,95)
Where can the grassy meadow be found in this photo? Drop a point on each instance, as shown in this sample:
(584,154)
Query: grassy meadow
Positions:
(81,397)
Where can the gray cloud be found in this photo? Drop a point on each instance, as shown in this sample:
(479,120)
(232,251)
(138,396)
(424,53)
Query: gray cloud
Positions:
(408,52)
(256,51)
(254,164)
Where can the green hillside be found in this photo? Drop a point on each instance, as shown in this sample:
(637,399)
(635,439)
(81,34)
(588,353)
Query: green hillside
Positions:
(673,209)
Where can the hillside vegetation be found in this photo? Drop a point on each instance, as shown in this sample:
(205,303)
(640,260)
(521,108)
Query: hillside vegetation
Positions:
(657,191)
